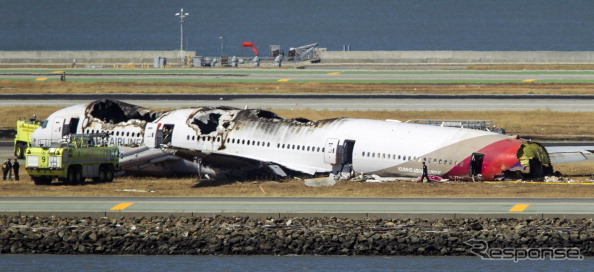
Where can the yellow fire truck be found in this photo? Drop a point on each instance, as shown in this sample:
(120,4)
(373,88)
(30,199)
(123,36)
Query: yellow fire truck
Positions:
(72,161)
(22,139)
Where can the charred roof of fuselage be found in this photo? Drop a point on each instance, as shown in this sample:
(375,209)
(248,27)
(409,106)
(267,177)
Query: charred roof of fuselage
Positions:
(114,111)
(256,114)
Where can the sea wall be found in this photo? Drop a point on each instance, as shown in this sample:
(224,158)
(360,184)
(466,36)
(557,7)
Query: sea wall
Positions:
(458,57)
(90,57)
(319,236)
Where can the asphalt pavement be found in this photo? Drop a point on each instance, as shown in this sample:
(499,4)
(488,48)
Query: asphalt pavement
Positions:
(365,102)
(300,207)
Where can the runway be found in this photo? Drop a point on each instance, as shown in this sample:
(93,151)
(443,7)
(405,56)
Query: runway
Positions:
(278,207)
(333,74)
(566,103)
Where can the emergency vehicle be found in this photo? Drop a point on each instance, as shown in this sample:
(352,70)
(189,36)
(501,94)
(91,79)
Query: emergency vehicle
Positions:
(73,160)
(22,139)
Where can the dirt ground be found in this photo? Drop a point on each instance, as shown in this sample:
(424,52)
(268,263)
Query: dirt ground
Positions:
(7,86)
(190,187)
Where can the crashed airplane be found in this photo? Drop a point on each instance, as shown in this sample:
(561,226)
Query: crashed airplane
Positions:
(226,142)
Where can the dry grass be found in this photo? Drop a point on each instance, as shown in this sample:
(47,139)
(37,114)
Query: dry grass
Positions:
(7,86)
(163,187)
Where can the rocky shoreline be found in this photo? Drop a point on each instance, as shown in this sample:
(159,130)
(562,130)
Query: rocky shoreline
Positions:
(301,236)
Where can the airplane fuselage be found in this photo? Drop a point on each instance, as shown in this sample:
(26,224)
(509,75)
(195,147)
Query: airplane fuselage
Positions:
(241,139)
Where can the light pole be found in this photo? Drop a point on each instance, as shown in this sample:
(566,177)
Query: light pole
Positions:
(222,45)
(181,16)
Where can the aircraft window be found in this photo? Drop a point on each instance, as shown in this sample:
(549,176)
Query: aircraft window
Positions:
(409,158)
(283,145)
(293,146)
(248,142)
(193,137)
(383,155)
(439,161)
(373,155)
(242,141)
(434,160)
(117,133)
(298,147)
(268,144)
(188,137)
(128,134)
(363,154)
(44,124)
(218,139)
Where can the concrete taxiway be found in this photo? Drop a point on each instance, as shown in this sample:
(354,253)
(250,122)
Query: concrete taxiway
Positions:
(571,103)
(277,207)
(333,74)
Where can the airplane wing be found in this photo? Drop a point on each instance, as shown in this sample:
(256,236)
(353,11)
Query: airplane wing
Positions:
(568,154)
(142,156)
(154,161)
(218,160)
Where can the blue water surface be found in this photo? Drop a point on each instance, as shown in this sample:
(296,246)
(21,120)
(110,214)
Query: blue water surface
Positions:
(482,25)
(278,263)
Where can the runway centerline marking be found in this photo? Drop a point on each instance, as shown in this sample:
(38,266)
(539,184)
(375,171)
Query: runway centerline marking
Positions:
(519,207)
(121,206)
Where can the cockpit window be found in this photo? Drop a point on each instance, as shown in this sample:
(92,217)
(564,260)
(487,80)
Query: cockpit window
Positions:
(44,124)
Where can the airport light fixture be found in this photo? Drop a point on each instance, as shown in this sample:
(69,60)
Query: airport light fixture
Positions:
(181,16)
(222,45)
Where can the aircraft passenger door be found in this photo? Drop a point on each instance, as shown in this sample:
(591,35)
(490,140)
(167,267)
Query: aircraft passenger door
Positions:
(330,153)
(167,134)
(476,166)
(73,125)
(345,152)
(152,136)
(58,128)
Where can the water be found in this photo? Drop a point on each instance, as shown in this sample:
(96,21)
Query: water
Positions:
(362,24)
(277,263)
